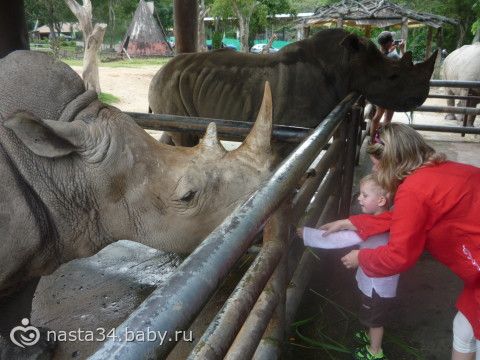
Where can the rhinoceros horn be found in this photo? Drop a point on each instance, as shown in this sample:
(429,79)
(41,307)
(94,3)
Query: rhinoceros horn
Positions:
(210,141)
(258,141)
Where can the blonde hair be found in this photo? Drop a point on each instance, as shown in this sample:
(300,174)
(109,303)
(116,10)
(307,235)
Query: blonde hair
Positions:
(376,150)
(404,151)
(373,178)
(379,189)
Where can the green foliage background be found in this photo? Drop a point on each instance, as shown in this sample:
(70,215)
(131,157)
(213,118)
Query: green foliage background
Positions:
(467,12)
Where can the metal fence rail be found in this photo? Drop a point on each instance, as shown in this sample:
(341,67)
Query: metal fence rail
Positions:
(174,305)
(469,111)
(226,129)
(455,84)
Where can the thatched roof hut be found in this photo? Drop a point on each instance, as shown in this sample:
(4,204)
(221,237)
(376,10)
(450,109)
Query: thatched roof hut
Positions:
(145,36)
(369,14)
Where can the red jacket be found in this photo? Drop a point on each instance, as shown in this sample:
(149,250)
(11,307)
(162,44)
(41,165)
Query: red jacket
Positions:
(436,208)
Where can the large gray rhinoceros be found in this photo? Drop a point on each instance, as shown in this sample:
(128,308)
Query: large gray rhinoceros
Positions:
(78,175)
(308,79)
(462,64)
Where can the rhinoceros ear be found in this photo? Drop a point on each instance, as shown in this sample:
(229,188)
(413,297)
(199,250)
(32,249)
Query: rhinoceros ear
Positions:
(210,141)
(351,42)
(46,138)
(258,141)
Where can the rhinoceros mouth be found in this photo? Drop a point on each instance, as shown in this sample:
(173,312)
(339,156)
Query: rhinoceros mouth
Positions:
(409,104)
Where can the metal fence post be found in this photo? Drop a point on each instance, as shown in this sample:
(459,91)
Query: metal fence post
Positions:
(248,338)
(349,163)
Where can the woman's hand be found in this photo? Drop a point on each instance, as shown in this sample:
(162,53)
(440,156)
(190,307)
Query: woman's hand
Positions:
(350,261)
(338,225)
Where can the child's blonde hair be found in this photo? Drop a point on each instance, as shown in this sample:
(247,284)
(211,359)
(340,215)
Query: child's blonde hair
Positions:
(379,189)
(403,151)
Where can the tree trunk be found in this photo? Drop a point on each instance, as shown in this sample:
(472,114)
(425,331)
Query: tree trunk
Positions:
(476,38)
(53,34)
(202,12)
(428,48)
(111,20)
(404,32)
(461,34)
(243,24)
(92,39)
(90,58)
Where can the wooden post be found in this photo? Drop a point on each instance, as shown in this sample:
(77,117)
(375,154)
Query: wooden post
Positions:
(428,49)
(185,27)
(13,27)
(339,23)
(405,31)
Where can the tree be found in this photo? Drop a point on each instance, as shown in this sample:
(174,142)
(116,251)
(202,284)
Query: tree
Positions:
(244,11)
(461,10)
(93,38)
(476,24)
(49,12)
(202,12)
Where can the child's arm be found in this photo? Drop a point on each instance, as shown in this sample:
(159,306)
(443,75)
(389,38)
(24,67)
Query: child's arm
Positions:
(369,225)
(340,239)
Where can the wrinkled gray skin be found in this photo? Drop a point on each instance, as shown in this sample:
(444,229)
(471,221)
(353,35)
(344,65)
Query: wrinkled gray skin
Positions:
(78,174)
(462,64)
(308,78)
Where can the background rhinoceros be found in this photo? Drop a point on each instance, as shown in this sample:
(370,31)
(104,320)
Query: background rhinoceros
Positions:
(462,64)
(308,78)
(78,174)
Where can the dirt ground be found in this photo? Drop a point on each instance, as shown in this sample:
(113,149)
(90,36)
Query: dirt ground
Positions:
(129,84)
(94,292)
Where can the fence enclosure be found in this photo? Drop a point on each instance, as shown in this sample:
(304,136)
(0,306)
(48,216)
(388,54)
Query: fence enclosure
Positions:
(253,321)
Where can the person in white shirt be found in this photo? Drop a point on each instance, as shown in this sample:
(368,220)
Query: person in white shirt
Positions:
(377,294)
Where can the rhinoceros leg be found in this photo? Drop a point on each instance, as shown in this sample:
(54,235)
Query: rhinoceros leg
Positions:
(13,309)
(450,102)
(471,118)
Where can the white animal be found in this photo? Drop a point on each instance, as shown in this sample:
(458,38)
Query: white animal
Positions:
(463,64)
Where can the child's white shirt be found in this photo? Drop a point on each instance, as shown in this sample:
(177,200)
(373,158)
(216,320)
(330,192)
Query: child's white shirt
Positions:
(385,287)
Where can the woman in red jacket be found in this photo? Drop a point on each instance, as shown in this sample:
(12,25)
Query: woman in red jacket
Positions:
(436,208)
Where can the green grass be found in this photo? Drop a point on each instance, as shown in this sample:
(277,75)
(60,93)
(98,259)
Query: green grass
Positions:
(134,63)
(342,320)
(108,98)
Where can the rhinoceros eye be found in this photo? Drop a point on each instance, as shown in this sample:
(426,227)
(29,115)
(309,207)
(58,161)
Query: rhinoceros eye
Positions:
(188,196)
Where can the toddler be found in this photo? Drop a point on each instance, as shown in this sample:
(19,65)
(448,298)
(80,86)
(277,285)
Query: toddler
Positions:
(377,294)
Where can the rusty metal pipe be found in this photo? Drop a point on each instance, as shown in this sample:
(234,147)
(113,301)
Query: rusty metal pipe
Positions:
(304,196)
(450,129)
(227,129)
(448,109)
(315,210)
(251,332)
(455,83)
(349,164)
(174,305)
(272,296)
(223,328)
(458,97)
